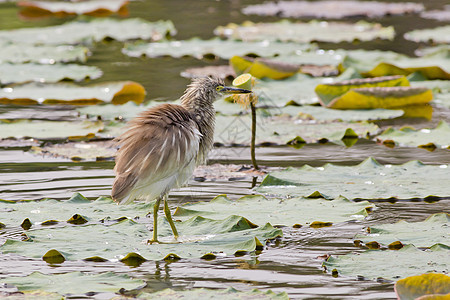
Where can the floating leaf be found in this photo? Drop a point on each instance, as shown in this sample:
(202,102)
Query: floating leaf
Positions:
(63,9)
(328,92)
(260,210)
(48,129)
(222,72)
(408,261)
(43,54)
(440,15)
(382,97)
(78,150)
(321,113)
(328,9)
(202,293)
(53,257)
(407,136)
(431,284)
(198,236)
(261,68)
(17,73)
(368,180)
(436,35)
(125,111)
(67,93)
(421,234)
(281,130)
(214,47)
(95,30)
(80,282)
(286,31)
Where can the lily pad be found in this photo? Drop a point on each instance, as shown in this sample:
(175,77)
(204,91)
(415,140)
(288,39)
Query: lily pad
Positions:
(286,212)
(78,150)
(211,294)
(43,54)
(440,15)
(421,234)
(321,113)
(328,9)
(95,30)
(283,130)
(368,180)
(440,35)
(125,111)
(432,285)
(17,73)
(211,48)
(80,282)
(222,72)
(62,9)
(391,265)
(68,93)
(49,129)
(438,137)
(286,31)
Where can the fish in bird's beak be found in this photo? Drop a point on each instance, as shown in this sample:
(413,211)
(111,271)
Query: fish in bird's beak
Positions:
(233,90)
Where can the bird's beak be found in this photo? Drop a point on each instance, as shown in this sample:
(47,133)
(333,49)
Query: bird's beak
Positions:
(233,90)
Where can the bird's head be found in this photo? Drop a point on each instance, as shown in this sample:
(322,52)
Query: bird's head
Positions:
(208,89)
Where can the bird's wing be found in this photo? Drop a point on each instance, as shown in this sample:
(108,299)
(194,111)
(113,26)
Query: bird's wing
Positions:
(159,142)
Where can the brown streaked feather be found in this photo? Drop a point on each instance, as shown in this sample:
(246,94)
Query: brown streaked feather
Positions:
(155,146)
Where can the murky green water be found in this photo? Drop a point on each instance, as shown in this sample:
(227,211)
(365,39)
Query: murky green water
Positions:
(292,264)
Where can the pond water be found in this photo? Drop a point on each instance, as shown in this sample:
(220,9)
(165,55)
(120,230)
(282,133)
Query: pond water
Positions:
(291,264)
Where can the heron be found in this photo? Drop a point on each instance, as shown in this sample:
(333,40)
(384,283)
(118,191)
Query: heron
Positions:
(163,145)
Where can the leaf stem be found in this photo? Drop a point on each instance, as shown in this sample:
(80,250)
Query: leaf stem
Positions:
(252,145)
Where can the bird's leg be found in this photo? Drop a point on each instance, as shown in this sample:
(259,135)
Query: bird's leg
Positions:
(155,222)
(169,217)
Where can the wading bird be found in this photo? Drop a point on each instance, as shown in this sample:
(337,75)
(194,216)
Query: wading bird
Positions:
(164,144)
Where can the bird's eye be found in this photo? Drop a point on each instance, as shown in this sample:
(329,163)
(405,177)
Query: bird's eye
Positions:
(219,88)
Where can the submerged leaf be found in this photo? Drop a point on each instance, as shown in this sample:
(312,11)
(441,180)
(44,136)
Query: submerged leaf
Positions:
(421,234)
(408,261)
(368,180)
(19,73)
(214,47)
(80,282)
(328,9)
(431,284)
(439,136)
(68,93)
(286,31)
(95,30)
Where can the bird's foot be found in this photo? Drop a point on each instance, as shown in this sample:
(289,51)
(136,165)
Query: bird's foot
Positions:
(153,241)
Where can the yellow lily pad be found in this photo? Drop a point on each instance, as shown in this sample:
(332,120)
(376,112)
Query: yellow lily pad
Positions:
(263,68)
(430,284)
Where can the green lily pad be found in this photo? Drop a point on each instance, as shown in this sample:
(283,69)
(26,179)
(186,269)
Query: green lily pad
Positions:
(286,31)
(108,221)
(126,111)
(17,73)
(43,54)
(91,7)
(48,129)
(421,234)
(211,294)
(285,212)
(368,180)
(68,93)
(389,264)
(439,35)
(215,47)
(438,137)
(432,285)
(328,9)
(78,150)
(198,237)
(283,130)
(95,30)
(321,113)
(222,72)
(80,283)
